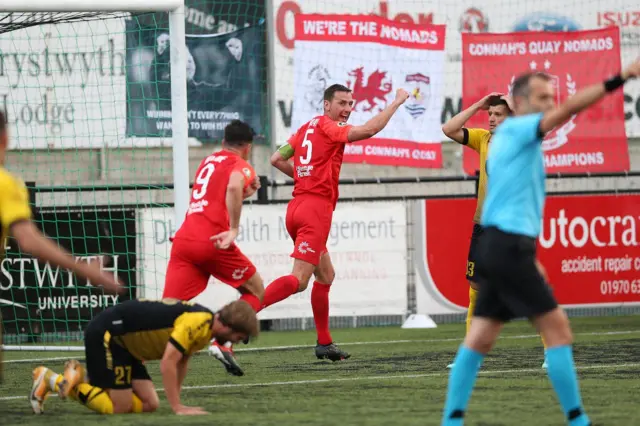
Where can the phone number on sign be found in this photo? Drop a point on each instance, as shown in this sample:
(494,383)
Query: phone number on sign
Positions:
(620,287)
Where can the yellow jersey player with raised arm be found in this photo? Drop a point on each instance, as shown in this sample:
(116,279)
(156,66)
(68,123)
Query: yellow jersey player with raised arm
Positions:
(120,339)
(15,221)
(498,107)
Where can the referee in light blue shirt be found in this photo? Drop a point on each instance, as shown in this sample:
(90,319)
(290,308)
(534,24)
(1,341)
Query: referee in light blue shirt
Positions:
(511,285)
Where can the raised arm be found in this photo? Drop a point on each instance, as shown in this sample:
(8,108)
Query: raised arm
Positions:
(377,123)
(280,160)
(586,97)
(453,128)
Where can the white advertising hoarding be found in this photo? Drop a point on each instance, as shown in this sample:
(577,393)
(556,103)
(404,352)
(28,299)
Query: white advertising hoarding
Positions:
(367,245)
(63,86)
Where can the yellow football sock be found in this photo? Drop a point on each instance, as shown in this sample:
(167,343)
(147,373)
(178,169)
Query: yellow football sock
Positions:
(98,399)
(473,295)
(543,342)
(93,398)
(136,407)
(58,380)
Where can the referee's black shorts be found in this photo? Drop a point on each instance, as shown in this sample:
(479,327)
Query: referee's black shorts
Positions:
(510,284)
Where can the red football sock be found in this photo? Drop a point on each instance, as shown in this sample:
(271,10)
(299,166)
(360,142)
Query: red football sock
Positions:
(280,289)
(252,300)
(320,307)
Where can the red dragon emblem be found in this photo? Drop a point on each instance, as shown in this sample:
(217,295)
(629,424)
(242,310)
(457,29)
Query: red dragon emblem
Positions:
(373,93)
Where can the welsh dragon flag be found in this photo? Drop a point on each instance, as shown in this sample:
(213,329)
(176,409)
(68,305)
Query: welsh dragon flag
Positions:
(374,57)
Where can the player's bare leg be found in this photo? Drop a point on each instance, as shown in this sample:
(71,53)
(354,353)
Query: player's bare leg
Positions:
(473,296)
(146,394)
(324,274)
(252,292)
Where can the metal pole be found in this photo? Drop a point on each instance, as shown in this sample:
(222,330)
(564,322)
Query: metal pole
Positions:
(179,115)
(270,16)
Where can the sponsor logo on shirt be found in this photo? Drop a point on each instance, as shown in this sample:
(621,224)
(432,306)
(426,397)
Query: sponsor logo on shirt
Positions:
(197,206)
(304,171)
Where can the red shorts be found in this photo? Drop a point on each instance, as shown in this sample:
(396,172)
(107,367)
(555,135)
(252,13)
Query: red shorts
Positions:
(192,262)
(309,223)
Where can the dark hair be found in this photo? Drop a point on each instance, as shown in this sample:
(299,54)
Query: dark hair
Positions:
(331,91)
(238,133)
(3,121)
(497,101)
(520,85)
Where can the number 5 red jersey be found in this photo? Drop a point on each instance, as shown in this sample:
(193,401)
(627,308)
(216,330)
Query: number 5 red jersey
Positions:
(207,214)
(316,146)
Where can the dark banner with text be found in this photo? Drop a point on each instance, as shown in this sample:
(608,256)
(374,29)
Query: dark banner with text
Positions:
(591,141)
(589,246)
(225,81)
(38,297)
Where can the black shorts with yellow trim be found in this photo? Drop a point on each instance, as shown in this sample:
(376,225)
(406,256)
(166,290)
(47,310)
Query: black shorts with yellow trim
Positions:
(472,257)
(109,365)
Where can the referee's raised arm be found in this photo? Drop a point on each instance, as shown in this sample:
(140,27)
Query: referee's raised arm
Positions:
(587,97)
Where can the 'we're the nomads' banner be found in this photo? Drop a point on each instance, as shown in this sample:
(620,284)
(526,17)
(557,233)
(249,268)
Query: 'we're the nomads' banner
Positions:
(591,141)
(374,57)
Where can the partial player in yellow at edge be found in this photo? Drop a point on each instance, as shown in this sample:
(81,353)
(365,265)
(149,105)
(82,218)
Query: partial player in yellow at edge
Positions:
(16,221)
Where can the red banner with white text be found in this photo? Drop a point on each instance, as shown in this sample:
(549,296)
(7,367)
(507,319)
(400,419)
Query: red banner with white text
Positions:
(590,246)
(591,141)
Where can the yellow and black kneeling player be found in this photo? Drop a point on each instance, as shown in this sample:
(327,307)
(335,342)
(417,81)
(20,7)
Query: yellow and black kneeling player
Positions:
(15,221)
(119,340)
(498,108)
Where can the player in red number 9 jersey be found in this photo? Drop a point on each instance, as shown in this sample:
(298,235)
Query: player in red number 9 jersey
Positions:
(204,245)
(317,149)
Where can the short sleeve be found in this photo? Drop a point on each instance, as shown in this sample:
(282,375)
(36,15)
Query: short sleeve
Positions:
(14,201)
(526,129)
(336,131)
(294,139)
(473,138)
(191,332)
(247,171)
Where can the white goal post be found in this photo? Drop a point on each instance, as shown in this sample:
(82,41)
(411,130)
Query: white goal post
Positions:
(179,119)
(31,10)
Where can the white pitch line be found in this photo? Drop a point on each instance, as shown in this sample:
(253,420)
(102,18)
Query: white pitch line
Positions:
(374,378)
(381,342)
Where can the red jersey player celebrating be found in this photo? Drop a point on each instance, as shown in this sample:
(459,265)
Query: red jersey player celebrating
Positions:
(204,245)
(317,149)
